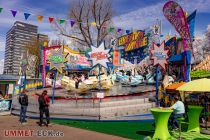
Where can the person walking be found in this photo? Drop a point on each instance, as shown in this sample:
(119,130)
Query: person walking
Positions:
(44,107)
(23,100)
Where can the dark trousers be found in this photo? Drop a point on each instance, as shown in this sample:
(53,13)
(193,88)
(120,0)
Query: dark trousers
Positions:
(45,111)
(76,85)
(23,110)
(173,120)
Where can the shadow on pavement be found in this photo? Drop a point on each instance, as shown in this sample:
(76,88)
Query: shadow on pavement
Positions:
(145,133)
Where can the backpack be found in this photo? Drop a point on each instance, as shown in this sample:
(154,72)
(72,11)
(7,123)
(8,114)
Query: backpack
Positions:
(42,102)
(23,100)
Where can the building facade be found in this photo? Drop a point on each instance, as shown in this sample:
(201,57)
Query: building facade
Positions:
(17,38)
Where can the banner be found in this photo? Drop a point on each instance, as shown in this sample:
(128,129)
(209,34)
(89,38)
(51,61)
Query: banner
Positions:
(176,16)
(133,41)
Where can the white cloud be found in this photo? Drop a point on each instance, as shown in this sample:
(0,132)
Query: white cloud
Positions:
(145,17)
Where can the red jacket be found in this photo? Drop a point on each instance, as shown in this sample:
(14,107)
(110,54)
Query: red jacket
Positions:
(47,100)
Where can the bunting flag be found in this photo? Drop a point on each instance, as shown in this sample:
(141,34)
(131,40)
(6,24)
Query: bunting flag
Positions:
(26,15)
(13,12)
(119,30)
(93,23)
(72,23)
(1,9)
(191,22)
(51,19)
(111,29)
(168,37)
(40,17)
(127,31)
(61,21)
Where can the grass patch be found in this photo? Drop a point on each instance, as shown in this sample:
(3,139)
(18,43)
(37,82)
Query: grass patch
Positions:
(131,130)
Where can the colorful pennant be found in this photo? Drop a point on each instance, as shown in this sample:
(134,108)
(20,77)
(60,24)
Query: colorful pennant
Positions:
(111,29)
(119,30)
(61,21)
(26,15)
(40,17)
(51,19)
(72,23)
(127,31)
(93,24)
(13,13)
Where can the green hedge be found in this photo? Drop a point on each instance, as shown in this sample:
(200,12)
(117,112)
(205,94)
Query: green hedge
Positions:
(200,74)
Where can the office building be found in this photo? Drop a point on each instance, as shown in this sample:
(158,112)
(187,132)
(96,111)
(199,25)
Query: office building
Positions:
(17,38)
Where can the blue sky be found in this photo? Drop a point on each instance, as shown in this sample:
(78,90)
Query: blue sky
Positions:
(137,14)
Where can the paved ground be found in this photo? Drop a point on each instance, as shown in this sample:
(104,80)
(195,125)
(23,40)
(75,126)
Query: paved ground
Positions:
(70,133)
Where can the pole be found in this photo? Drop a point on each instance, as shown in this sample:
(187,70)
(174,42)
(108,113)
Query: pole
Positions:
(53,91)
(99,77)
(43,67)
(157,90)
(24,83)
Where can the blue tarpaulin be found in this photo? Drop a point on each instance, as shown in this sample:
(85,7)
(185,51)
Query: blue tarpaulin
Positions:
(176,58)
(180,57)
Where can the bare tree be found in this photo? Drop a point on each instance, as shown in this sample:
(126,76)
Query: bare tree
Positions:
(57,42)
(92,18)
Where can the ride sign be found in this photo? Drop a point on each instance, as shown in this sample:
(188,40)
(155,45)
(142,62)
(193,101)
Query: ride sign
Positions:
(133,40)
(159,55)
(99,55)
(57,59)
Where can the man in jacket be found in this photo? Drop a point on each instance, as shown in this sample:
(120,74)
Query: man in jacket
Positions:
(44,107)
(23,100)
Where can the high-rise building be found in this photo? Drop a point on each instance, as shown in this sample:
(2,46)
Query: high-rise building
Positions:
(42,38)
(16,39)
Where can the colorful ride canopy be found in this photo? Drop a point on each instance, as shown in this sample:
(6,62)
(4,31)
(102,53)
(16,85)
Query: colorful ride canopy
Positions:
(76,60)
(64,58)
(134,46)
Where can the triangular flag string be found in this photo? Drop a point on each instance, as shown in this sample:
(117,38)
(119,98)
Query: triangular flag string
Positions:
(13,13)
(26,15)
(71,21)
